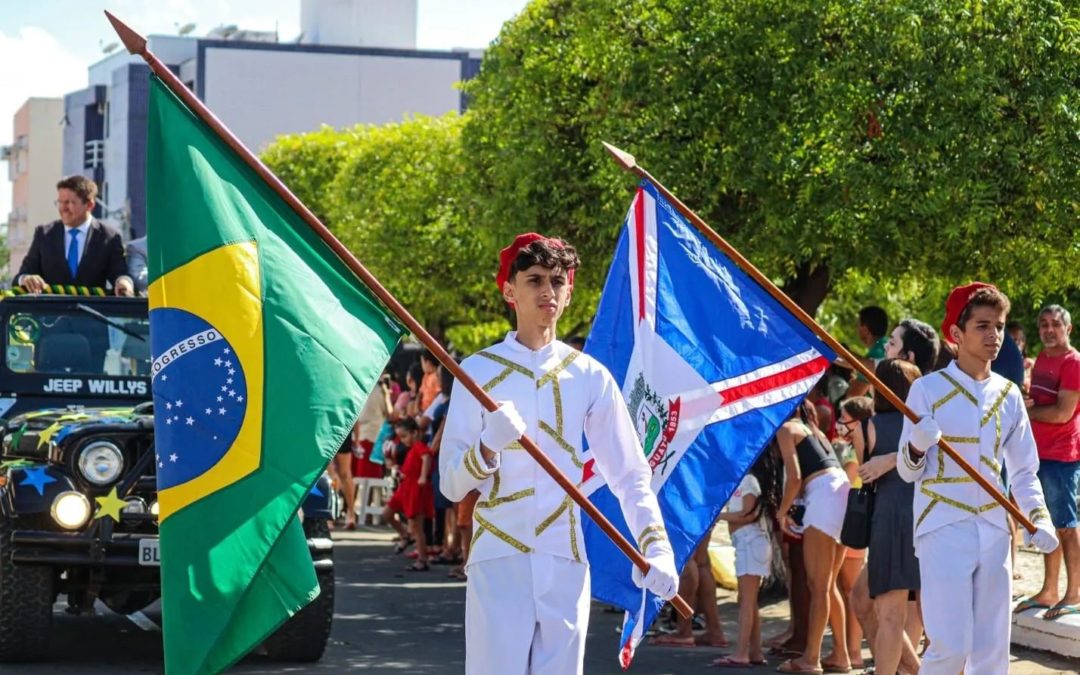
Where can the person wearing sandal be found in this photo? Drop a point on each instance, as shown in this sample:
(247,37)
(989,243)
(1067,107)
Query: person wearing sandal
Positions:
(961,533)
(527,595)
(813,470)
(747,513)
(413,496)
(1054,409)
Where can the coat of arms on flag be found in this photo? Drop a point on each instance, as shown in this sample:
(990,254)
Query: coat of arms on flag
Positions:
(710,365)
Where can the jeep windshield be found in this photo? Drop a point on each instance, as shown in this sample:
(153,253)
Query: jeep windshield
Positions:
(67,339)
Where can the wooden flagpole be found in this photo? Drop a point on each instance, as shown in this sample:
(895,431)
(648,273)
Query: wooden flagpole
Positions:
(627,161)
(136,44)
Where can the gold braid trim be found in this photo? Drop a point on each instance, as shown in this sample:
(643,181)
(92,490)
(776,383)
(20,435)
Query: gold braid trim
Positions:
(499,501)
(1039,513)
(997,404)
(649,541)
(967,394)
(500,534)
(562,443)
(646,532)
(469,462)
(990,463)
(909,462)
(944,399)
(508,363)
(476,535)
(553,374)
(556,394)
(925,513)
(952,502)
(997,436)
(497,380)
(961,439)
(546,523)
(495,483)
(573,535)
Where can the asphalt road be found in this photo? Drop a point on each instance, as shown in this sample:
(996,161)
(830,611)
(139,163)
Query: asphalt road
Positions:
(390,621)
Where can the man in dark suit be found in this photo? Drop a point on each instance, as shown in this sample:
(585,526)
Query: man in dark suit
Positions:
(77,249)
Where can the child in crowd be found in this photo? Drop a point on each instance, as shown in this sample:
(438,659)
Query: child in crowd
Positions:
(413,496)
(747,515)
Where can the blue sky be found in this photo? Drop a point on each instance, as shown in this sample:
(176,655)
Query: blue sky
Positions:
(46,45)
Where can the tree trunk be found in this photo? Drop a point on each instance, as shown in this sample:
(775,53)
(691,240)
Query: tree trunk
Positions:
(809,287)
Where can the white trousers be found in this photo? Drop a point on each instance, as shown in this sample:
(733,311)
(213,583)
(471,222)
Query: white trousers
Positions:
(526,614)
(966,588)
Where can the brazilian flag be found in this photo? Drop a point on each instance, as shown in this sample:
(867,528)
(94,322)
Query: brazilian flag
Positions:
(265,346)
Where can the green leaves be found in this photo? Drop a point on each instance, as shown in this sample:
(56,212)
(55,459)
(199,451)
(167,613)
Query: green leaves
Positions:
(880,144)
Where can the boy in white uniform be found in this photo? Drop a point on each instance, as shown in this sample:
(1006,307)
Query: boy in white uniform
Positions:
(961,533)
(527,603)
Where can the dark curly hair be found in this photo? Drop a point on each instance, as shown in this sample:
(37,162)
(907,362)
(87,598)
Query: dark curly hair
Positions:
(552,254)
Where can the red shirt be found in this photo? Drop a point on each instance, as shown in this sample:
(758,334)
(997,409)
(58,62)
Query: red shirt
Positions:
(1051,374)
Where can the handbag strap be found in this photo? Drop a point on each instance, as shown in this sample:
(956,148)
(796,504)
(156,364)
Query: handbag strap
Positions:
(871,487)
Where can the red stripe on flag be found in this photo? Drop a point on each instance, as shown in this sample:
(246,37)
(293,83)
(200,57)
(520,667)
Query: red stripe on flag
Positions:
(588,471)
(639,226)
(774,381)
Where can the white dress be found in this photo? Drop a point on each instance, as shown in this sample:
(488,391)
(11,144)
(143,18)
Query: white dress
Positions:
(528,590)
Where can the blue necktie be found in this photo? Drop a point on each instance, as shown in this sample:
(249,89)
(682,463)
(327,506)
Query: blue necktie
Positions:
(73,253)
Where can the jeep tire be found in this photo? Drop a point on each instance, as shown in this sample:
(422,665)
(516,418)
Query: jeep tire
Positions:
(26,603)
(303,637)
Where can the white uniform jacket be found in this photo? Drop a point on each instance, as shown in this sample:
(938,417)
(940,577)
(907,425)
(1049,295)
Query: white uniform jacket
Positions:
(559,392)
(985,422)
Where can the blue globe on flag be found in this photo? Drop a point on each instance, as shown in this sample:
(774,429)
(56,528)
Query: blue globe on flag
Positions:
(200,395)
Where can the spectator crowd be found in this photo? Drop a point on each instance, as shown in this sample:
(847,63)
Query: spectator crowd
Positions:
(794,502)
(824,498)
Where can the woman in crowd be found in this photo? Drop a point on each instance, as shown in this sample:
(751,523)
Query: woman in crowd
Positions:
(854,415)
(813,470)
(892,569)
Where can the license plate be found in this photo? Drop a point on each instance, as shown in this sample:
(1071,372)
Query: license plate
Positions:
(149,553)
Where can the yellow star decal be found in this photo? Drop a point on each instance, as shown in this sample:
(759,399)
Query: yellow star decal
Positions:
(109,505)
(73,417)
(46,434)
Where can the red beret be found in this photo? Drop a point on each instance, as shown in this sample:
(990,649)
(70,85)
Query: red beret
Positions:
(959,298)
(509,254)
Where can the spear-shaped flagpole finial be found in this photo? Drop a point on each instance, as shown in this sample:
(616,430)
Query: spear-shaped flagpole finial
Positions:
(625,159)
(135,43)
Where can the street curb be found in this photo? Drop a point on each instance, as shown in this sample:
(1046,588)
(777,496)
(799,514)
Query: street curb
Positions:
(1061,636)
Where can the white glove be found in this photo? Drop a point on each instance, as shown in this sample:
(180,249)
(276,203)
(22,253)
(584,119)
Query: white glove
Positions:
(502,427)
(1045,537)
(925,434)
(662,579)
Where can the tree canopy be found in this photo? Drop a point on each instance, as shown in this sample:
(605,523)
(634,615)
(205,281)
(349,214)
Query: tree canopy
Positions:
(849,149)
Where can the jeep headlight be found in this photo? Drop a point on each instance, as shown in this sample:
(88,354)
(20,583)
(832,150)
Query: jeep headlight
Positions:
(71,510)
(101,462)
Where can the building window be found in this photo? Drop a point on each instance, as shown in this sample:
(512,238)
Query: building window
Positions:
(95,154)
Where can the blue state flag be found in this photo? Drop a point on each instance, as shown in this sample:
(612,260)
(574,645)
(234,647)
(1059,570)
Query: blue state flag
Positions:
(710,366)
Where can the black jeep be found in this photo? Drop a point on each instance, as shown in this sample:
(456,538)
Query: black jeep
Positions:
(75,405)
